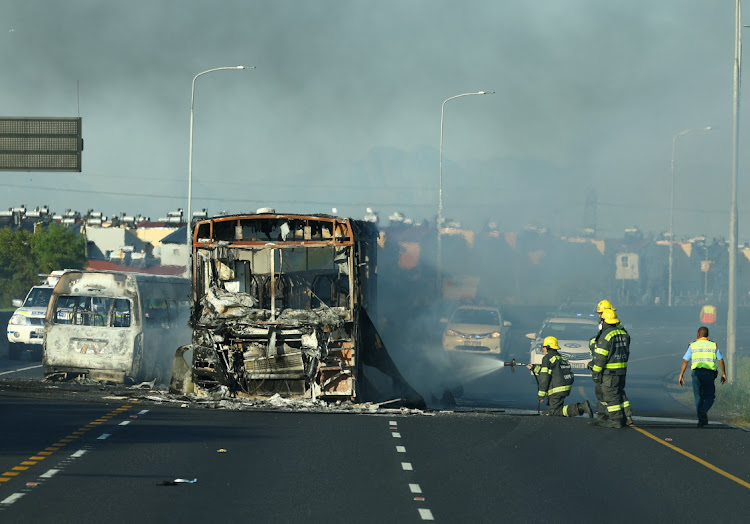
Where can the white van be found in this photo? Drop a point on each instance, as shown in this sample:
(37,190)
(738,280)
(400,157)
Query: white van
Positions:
(26,326)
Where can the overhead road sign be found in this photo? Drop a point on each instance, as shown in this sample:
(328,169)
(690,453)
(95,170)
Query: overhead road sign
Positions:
(40,144)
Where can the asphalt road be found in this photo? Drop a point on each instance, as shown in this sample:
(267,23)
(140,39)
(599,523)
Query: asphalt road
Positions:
(96,452)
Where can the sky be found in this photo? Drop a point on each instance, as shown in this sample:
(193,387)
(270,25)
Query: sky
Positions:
(343,109)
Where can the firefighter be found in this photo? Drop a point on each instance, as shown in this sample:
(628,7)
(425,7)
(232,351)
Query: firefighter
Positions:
(555,382)
(601,405)
(609,368)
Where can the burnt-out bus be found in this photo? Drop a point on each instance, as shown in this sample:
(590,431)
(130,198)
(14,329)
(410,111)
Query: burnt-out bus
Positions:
(115,326)
(282,304)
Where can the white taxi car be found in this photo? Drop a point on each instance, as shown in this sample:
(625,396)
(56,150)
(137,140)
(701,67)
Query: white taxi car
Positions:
(573,335)
(476,329)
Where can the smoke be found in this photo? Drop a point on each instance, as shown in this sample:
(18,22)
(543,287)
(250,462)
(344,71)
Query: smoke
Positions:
(343,109)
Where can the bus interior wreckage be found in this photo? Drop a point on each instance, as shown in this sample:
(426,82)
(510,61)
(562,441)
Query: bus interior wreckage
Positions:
(282,304)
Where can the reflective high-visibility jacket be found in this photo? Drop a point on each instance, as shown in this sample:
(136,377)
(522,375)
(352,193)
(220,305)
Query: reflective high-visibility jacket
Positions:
(555,375)
(703,354)
(612,350)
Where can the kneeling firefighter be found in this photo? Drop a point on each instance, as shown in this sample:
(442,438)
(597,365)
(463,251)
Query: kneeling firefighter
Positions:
(556,381)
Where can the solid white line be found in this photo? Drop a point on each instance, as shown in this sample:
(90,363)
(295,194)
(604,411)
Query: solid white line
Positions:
(124,423)
(14,497)
(426,514)
(49,474)
(392,423)
(103,436)
(400,449)
(19,369)
(396,434)
(407,466)
(78,453)
(414,488)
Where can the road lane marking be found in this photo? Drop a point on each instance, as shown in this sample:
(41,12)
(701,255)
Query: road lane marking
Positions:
(426,514)
(392,423)
(78,453)
(400,449)
(124,423)
(49,474)
(103,436)
(406,466)
(14,497)
(414,488)
(396,434)
(693,457)
(20,369)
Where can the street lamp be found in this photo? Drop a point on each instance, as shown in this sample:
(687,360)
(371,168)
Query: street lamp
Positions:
(440,189)
(189,219)
(671,206)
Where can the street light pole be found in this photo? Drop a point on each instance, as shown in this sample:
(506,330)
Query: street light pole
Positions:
(671,207)
(439,223)
(732,284)
(189,218)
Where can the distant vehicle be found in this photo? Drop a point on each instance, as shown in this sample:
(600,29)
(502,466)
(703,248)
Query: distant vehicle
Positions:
(26,326)
(115,326)
(577,309)
(476,329)
(573,335)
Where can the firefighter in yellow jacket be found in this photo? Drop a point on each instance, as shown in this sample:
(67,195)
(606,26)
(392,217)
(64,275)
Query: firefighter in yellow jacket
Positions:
(556,381)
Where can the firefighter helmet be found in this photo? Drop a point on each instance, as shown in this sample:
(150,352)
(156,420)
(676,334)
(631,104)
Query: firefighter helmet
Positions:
(604,304)
(610,316)
(550,342)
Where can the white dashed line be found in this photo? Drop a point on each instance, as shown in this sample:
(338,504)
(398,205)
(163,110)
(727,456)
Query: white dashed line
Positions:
(49,473)
(10,500)
(426,514)
(406,466)
(393,423)
(20,369)
(400,449)
(143,412)
(396,434)
(78,453)
(103,436)
(414,488)
(124,423)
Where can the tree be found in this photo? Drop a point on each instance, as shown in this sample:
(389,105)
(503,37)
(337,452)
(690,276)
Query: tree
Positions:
(25,255)
(58,247)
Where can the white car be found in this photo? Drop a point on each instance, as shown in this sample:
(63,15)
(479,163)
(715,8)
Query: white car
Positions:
(572,334)
(476,329)
(25,330)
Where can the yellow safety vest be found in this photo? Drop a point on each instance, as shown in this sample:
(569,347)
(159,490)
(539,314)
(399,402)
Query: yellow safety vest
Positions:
(703,355)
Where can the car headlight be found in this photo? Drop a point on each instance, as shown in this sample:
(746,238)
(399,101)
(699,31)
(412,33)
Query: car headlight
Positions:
(450,333)
(496,334)
(19,320)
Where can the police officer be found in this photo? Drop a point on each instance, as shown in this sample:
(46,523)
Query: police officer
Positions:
(602,412)
(555,382)
(609,368)
(703,354)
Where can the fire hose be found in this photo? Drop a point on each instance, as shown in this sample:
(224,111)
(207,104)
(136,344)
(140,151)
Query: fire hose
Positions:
(513,365)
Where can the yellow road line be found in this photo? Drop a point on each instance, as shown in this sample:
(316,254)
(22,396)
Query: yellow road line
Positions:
(693,457)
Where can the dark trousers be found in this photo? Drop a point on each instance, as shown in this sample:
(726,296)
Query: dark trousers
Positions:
(613,398)
(704,390)
(558,408)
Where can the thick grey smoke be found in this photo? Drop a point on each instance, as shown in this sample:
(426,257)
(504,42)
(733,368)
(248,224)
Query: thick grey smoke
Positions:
(343,109)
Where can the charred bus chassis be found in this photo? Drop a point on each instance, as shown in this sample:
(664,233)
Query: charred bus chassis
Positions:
(280,305)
